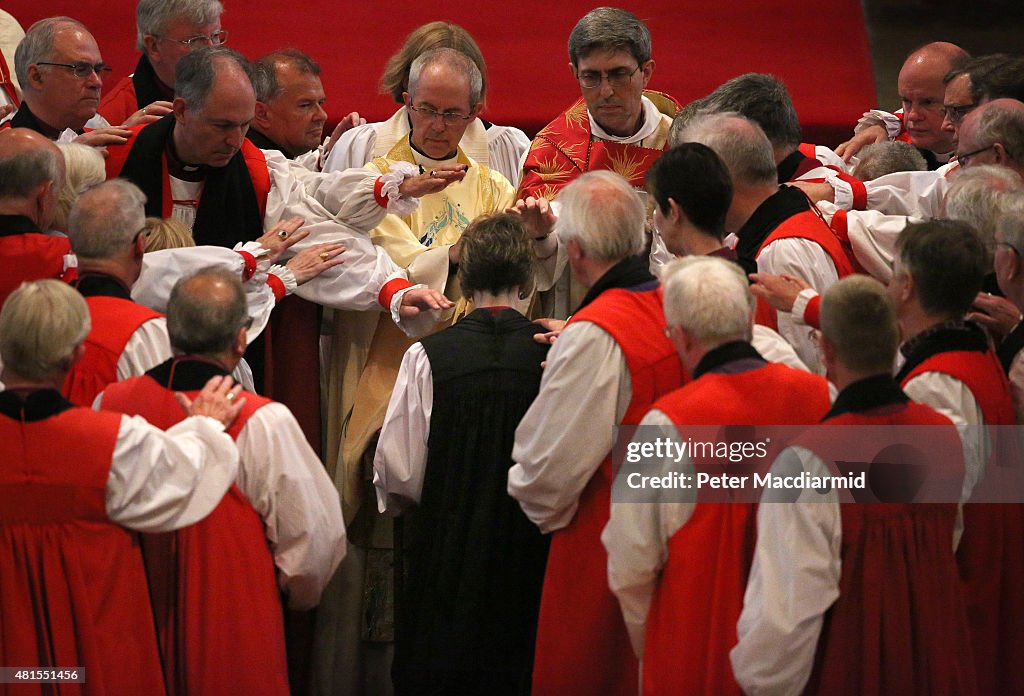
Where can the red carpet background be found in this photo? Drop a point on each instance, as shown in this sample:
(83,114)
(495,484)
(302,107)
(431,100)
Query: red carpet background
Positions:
(819,49)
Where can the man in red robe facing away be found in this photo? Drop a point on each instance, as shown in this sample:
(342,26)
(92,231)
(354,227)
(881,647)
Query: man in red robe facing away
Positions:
(213,586)
(73,485)
(613,359)
(863,597)
(662,555)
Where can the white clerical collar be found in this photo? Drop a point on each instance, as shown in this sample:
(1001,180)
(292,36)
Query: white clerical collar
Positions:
(652,119)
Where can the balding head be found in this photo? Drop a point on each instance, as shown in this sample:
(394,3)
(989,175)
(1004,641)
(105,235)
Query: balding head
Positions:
(31,175)
(922,89)
(739,142)
(993,133)
(205,313)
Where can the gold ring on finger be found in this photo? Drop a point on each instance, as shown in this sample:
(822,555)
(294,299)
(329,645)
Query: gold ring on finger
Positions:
(282,234)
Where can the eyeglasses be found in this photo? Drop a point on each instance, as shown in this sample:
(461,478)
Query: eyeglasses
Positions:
(963,159)
(449,117)
(956,114)
(82,70)
(616,78)
(1010,246)
(215,39)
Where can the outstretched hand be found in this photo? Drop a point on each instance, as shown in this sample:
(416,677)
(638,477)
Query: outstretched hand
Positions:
(314,260)
(537,215)
(218,399)
(868,136)
(433,180)
(281,236)
(779,291)
(421,300)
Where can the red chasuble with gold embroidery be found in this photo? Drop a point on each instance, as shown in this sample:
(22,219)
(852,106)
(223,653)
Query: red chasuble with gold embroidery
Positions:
(565,148)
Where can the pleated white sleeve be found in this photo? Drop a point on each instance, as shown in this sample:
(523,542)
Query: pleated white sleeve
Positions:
(285,482)
(401,459)
(569,429)
(161,481)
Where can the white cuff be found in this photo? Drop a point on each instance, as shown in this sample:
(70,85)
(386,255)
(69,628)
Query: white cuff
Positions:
(259,253)
(842,191)
(397,203)
(286,276)
(876,117)
(803,298)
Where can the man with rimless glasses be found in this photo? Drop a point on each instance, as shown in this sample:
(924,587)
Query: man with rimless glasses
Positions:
(617,124)
(165,31)
(61,73)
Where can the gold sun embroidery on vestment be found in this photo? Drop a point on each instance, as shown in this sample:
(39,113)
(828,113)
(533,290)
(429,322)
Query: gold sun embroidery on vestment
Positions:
(576,115)
(551,171)
(625,165)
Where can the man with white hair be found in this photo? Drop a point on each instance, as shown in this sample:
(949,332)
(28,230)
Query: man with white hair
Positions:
(61,73)
(74,487)
(165,30)
(609,364)
(777,230)
(283,519)
(709,314)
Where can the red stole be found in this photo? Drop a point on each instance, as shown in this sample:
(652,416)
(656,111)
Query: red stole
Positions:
(687,644)
(114,321)
(73,591)
(582,644)
(806,225)
(899,625)
(33,256)
(565,148)
(991,553)
(215,598)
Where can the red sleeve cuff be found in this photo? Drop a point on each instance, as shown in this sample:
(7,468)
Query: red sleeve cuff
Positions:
(388,291)
(812,312)
(860,191)
(378,195)
(250,265)
(277,285)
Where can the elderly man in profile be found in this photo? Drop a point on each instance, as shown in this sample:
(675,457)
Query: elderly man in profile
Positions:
(165,30)
(616,124)
(61,73)
(608,366)
(74,487)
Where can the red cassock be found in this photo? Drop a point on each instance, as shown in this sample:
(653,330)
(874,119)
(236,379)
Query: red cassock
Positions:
(215,598)
(582,644)
(114,320)
(72,585)
(687,643)
(991,552)
(27,256)
(899,625)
